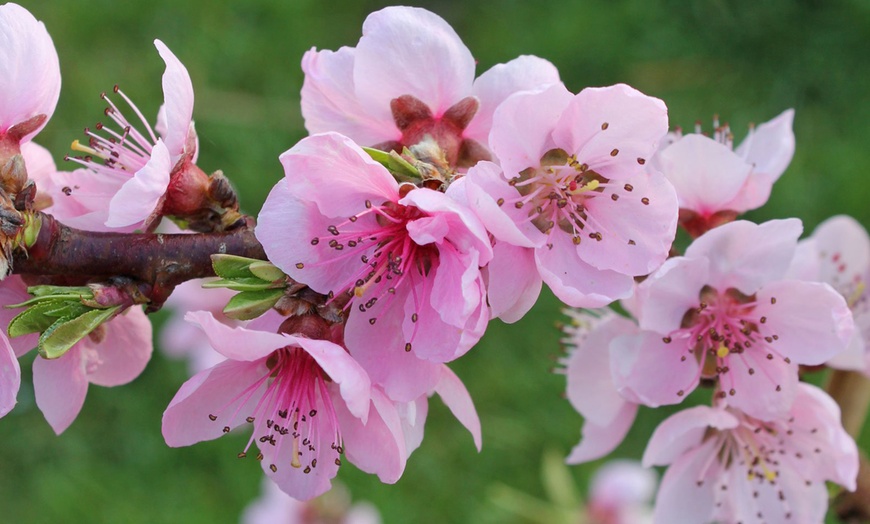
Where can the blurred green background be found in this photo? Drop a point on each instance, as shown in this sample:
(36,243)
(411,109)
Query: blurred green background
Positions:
(745,60)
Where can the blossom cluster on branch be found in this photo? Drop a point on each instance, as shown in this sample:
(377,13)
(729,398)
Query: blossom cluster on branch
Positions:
(425,203)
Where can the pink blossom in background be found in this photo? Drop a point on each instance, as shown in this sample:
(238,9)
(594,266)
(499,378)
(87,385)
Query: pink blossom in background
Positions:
(621,492)
(607,415)
(716,182)
(126,191)
(306,400)
(724,311)
(410,77)
(838,253)
(406,260)
(112,355)
(30,74)
(726,466)
(571,203)
(276,507)
(10,376)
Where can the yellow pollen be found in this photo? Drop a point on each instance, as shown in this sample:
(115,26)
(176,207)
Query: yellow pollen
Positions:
(722,352)
(295,461)
(77,146)
(589,186)
(853,298)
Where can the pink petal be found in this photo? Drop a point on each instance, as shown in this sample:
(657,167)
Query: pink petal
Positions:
(354,384)
(575,282)
(178,103)
(590,386)
(125,350)
(335,174)
(769,149)
(452,391)
(329,101)
(812,321)
(637,230)
(39,162)
(379,445)
(663,299)
(60,386)
(514,283)
(238,343)
(686,493)
(411,51)
(645,366)
(13,290)
(844,250)
(522,127)
(523,73)
(598,441)
(218,391)
(10,376)
(706,174)
(744,255)
(681,432)
(29,70)
(413,416)
(138,197)
(635,123)
(766,393)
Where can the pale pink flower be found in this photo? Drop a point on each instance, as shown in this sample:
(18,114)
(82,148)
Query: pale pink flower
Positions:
(716,182)
(126,191)
(728,467)
(621,492)
(10,375)
(838,253)
(29,76)
(276,507)
(307,401)
(405,260)
(607,415)
(724,311)
(409,77)
(112,355)
(572,203)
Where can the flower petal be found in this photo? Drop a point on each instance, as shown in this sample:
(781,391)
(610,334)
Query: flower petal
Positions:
(60,386)
(686,492)
(452,391)
(125,350)
(598,441)
(379,445)
(769,149)
(663,299)
(13,290)
(178,103)
(513,284)
(10,376)
(238,343)
(681,432)
(139,197)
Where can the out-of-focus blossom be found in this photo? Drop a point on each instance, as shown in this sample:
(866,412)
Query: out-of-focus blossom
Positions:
(728,467)
(306,400)
(30,76)
(838,253)
(404,259)
(127,190)
(607,416)
(724,311)
(621,492)
(571,203)
(10,376)
(715,182)
(409,80)
(276,507)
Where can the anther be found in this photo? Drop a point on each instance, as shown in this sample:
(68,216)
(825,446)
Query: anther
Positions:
(212,417)
(641,161)
(614,152)
(300,265)
(273,467)
(226,429)
(407,346)
(628,187)
(604,126)
(645,201)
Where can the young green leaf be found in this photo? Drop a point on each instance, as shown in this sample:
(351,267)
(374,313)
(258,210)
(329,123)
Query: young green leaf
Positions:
(248,305)
(65,332)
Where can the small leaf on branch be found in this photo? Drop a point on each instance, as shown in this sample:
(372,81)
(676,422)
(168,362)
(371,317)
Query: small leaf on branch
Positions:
(266,271)
(240,284)
(58,338)
(232,266)
(394,163)
(248,305)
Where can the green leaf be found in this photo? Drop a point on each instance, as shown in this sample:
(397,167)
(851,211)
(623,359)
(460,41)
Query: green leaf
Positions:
(80,291)
(394,163)
(65,332)
(251,304)
(232,266)
(32,320)
(239,284)
(266,271)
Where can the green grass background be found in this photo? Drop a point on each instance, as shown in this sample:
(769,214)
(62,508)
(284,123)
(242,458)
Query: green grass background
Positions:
(744,60)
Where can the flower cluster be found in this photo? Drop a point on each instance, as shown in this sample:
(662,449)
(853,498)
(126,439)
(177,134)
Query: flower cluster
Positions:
(425,203)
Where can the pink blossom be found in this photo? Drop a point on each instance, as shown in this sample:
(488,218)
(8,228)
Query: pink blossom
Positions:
(621,492)
(571,204)
(715,182)
(728,467)
(112,355)
(410,77)
(30,76)
(127,190)
(404,260)
(10,376)
(276,507)
(307,401)
(838,253)
(607,415)
(724,311)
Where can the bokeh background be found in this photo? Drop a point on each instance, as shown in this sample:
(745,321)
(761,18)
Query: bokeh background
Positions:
(745,60)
